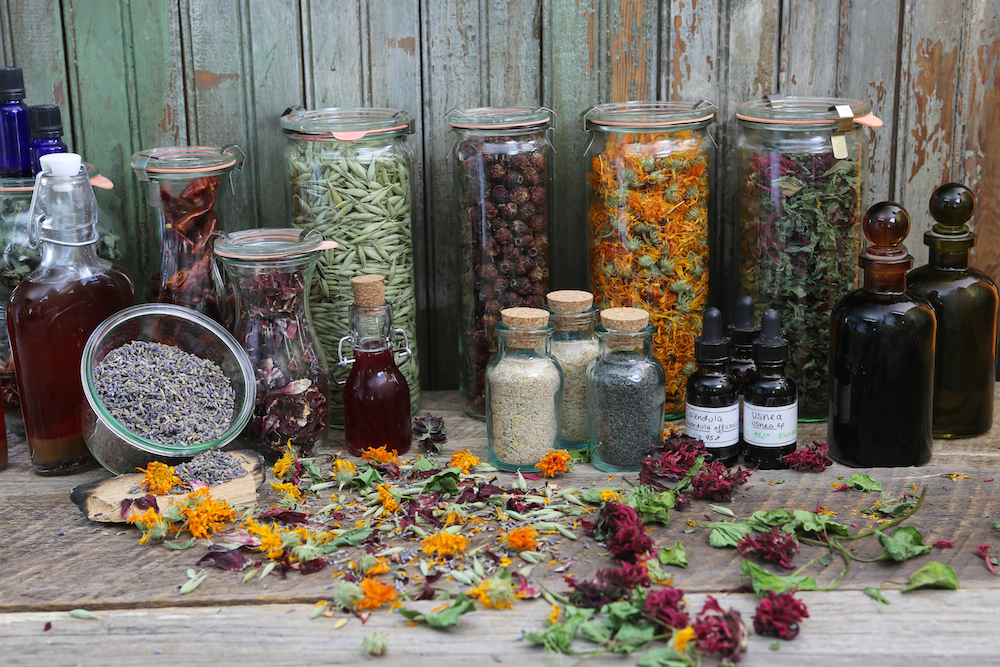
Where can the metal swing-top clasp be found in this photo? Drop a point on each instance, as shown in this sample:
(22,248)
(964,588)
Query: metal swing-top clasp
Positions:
(405,352)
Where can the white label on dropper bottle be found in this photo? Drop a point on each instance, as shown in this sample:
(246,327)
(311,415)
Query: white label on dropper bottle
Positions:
(770,427)
(717,427)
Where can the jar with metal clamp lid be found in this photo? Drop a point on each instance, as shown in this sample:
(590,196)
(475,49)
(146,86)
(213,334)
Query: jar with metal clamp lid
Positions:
(803,166)
(502,161)
(376,397)
(183,186)
(350,178)
(650,185)
(271,271)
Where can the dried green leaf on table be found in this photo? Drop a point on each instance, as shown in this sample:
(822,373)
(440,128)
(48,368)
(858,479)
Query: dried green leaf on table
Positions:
(933,575)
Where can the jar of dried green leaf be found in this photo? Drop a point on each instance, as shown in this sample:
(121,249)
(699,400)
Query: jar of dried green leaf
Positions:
(349,174)
(803,163)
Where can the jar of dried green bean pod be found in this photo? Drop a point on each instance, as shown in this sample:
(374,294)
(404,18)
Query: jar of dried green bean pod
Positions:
(650,184)
(502,177)
(803,165)
(350,174)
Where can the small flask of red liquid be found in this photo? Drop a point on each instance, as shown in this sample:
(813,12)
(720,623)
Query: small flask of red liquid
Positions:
(376,397)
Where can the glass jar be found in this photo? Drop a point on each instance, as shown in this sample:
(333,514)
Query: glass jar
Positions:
(77,290)
(19,259)
(574,346)
(503,184)
(271,271)
(626,390)
(650,185)
(350,174)
(183,196)
(802,169)
(523,392)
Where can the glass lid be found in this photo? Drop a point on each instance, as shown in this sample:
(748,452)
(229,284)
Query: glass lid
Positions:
(265,244)
(649,114)
(775,109)
(500,118)
(347,124)
(186,161)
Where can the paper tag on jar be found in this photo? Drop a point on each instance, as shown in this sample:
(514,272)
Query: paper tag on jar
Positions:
(718,427)
(770,427)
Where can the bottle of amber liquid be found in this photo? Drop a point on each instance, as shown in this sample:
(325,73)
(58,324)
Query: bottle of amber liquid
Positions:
(742,334)
(965,304)
(376,397)
(770,401)
(882,356)
(713,401)
(52,313)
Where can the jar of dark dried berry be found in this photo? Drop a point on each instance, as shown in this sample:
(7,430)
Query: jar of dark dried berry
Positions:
(271,271)
(803,166)
(502,174)
(184,190)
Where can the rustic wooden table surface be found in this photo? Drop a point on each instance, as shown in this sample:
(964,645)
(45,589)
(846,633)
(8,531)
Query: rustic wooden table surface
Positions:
(52,560)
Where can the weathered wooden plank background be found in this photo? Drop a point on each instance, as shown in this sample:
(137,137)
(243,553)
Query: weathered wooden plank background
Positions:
(134,74)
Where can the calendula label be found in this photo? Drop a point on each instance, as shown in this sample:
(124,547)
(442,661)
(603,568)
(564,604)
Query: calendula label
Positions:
(770,427)
(718,427)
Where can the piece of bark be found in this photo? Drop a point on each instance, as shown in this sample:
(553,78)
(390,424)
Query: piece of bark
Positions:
(101,500)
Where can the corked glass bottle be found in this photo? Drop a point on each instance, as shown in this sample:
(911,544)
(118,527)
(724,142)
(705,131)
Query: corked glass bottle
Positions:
(965,304)
(770,401)
(574,344)
(713,401)
(523,391)
(626,390)
(882,356)
(376,396)
(55,309)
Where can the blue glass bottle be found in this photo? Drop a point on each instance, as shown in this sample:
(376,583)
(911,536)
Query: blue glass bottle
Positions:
(14,138)
(46,133)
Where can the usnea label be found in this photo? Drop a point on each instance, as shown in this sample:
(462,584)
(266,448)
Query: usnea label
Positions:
(770,427)
(718,427)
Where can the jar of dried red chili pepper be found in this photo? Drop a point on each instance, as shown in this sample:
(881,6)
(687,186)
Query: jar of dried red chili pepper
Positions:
(271,271)
(650,184)
(183,185)
(502,177)
(350,178)
(803,166)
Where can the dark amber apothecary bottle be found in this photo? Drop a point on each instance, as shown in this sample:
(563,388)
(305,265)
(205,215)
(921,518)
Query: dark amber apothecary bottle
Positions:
(965,303)
(882,356)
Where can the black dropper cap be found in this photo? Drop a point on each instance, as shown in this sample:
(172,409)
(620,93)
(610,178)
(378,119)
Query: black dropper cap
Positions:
(45,121)
(770,348)
(744,331)
(11,83)
(711,345)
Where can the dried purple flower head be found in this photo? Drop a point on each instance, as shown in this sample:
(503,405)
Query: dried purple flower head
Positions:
(814,457)
(430,432)
(666,607)
(779,615)
(720,632)
(773,545)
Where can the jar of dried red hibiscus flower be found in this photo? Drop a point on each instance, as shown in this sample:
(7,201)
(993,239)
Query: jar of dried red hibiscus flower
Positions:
(650,185)
(184,189)
(502,178)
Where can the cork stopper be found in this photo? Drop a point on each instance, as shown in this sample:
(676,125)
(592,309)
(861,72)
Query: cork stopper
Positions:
(369,291)
(524,318)
(624,319)
(570,301)
(622,324)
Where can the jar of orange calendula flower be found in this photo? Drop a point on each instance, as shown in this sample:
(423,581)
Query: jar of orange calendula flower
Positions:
(649,212)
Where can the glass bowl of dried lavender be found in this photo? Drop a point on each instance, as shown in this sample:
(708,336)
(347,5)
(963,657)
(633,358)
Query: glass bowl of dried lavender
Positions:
(163,383)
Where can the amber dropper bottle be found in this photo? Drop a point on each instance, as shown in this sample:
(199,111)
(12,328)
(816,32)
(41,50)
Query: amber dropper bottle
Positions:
(742,334)
(965,304)
(882,356)
(770,400)
(713,402)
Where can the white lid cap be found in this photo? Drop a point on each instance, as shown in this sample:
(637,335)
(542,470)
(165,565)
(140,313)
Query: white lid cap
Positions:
(61,164)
